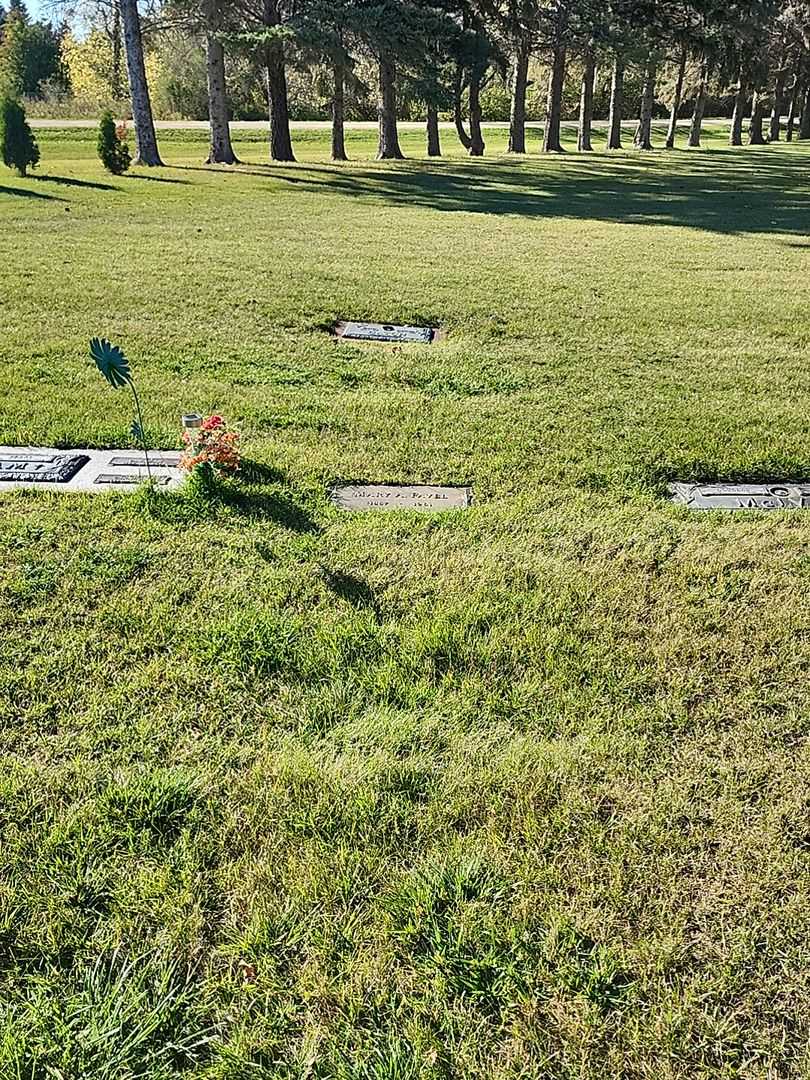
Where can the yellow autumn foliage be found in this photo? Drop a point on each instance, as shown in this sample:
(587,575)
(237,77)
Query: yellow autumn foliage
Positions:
(91,68)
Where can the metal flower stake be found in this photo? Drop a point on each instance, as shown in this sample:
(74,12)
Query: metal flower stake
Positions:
(114,366)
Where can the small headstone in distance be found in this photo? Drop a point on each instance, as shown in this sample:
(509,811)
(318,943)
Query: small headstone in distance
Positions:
(365,331)
(400,497)
(40,468)
(770,495)
(156,458)
(129,478)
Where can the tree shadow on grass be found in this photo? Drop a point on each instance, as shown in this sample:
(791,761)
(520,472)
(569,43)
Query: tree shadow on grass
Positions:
(354,590)
(69,181)
(24,194)
(715,190)
(157,179)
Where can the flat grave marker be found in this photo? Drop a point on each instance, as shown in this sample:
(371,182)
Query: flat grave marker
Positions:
(424,497)
(50,469)
(386,332)
(157,460)
(769,495)
(122,478)
(35,467)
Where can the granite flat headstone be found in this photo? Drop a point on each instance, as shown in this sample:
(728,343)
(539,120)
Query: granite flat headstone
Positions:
(366,331)
(33,467)
(124,479)
(82,469)
(400,497)
(157,459)
(770,495)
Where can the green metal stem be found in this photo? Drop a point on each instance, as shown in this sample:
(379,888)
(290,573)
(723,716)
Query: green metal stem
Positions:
(142,430)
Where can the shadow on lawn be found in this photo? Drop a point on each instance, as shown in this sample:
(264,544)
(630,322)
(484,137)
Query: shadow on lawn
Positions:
(156,179)
(267,506)
(353,590)
(261,493)
(25,194)
(250,498)
(69,181)
(766,191)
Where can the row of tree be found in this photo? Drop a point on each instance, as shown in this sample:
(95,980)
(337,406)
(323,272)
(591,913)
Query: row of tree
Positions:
(444,53)
(30,53)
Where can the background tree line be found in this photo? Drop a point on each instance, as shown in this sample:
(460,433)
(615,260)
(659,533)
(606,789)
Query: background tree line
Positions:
(463,60)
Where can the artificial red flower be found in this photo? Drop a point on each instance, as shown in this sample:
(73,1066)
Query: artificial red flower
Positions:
(212,445)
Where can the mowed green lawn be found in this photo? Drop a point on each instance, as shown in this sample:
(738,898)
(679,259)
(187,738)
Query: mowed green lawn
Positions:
(518,792)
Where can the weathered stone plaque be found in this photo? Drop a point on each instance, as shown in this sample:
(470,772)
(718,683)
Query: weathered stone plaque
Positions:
(157,459)
(129,478)
(363,331)
(40,468)
(765,496)
(400,497)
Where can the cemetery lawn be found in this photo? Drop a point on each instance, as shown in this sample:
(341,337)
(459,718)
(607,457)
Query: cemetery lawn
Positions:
(516,792)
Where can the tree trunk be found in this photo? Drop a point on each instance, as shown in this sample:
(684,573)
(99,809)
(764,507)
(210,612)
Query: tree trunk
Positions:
(388,148)
(517,112)
(477,145)
(556,79)
(697,112)
(338,113)
(586,99)
(614,136)
(778,107)
(755,133)
(643,137)
(458,112)
(735,136)
(220,151)
(276,76)
(115,80)
(434,146)
(676,103)
(804,123)
(146,150)
(791,118)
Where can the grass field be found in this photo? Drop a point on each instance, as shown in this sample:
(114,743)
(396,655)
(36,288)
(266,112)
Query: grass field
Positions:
(519,792)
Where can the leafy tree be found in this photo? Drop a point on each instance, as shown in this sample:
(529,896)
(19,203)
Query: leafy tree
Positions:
(558,18)
(12,55)
(18,147)
(30,55)
(264,31)
(213,21)
(43,59)
(112,149)
(477,56)
(519,31)
(408,43)
(324,31)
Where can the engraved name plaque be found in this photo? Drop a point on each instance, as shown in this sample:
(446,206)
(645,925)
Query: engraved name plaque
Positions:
(771,495)
(125,479)
(40,468)
(157,460)
(363,331)
(400,497)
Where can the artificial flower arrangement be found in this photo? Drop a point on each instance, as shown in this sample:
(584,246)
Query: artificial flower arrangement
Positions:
(210,448)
